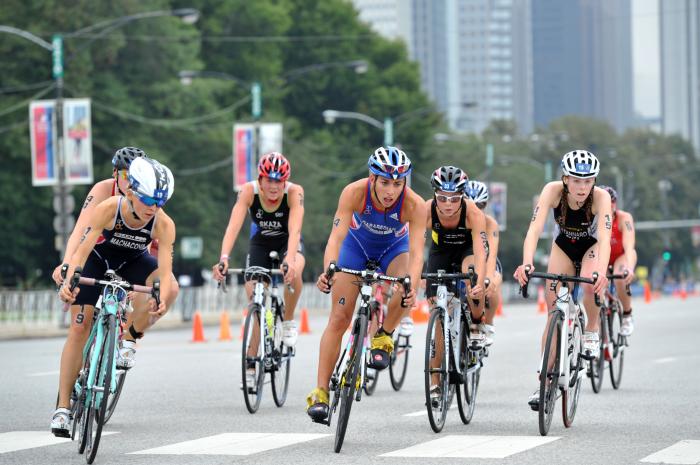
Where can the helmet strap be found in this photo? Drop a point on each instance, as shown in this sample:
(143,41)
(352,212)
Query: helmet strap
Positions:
(133,210)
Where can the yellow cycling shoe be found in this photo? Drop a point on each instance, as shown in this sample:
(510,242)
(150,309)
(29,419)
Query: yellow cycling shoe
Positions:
(317,404)
(382,347)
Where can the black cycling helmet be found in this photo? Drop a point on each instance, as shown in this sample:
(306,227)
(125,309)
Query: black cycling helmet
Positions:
(124,156)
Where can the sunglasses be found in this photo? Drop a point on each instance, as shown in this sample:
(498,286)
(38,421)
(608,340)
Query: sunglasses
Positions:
(448,198)
(391,169)
(149,201)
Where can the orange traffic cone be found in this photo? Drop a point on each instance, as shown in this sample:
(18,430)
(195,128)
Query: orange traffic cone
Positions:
(244,314)
(197,328)
(647,292)
(499,310)
(541,303)
(224,330)
(305,328)
(684,292)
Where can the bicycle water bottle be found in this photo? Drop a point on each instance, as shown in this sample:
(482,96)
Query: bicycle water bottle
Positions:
(270,319)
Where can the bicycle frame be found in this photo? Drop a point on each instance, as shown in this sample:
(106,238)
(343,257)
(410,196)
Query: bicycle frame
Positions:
(566,310)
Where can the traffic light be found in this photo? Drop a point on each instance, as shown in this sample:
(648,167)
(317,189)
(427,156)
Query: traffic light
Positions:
(666,255)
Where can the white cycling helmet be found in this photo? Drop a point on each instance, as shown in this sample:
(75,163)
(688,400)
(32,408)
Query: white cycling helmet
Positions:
(449,179)
(151,181)
(580,164)
(477,191)
(389,162)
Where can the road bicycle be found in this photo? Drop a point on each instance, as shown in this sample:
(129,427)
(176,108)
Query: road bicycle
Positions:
(563,358)
(612,343)
(99,382)
(350,372)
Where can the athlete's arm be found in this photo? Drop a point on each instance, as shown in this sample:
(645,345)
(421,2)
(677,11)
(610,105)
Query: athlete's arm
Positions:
(476,220)
(602,203)
(99,192)
(165,233)
(295,199)
(626,225)
(492,234)
(101,218)
(548,198)
(415,217)
(235,223)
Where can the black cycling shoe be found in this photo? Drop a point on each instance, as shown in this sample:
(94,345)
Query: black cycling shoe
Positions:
(379,359)
(318,412)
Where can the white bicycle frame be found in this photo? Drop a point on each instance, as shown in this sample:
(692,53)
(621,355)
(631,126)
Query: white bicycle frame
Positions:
(450,330)
(569,310)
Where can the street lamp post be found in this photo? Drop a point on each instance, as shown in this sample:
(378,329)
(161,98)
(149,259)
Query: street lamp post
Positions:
(61,191)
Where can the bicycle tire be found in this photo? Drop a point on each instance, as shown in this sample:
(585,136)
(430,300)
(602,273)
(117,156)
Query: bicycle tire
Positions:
(467,391)
(104,380)
(437,412)
(549,381)
(399,361)
(252,394)
(375,321)
(597,365)
(281,361)
(617,344)
(371,383)
(82,410)
(114,397)
(349,380)
(571,394)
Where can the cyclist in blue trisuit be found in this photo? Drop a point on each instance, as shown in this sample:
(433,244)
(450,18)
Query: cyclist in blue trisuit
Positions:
(379,222)
(124,226)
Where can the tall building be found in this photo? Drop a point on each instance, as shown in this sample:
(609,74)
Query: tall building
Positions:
(474,55)
(679,33)
(582,60)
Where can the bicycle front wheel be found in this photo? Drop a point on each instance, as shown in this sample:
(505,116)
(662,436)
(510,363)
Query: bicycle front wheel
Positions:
(616,347)
(549,377)
(572,392)
(399,361)
(102,387)
(350,379)
(596,366)
(281,360)
(437,382)
(471,366)
(114,397)
(252,356)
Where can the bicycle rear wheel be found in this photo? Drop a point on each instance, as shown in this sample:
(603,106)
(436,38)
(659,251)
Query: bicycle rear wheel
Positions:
(252,392)
(399,361)
(437,405)
(349,381)
(549,377)
(616,347)
(596,366)
(281,361)
(101,390)
(572,392)
(466,393)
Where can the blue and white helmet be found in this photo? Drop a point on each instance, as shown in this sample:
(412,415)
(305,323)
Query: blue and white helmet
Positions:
(478,192)
(580,164)
(389,162)
(151,181)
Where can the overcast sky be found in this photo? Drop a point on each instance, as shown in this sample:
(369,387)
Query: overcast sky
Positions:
(645,33)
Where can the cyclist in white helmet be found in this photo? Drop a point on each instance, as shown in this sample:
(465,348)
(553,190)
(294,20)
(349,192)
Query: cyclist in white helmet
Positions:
(583,215)
(117,238)
(479,193)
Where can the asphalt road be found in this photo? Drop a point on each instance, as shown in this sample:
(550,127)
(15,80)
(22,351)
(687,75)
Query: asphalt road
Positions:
(181,392)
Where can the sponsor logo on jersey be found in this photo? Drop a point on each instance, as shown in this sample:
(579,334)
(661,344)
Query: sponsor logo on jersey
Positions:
(394,216)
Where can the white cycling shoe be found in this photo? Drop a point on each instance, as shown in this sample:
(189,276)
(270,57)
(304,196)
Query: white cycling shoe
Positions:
(406,326)
(126,355)
(289,333)
(489,333)
(60,423)
(477,335)
(591,343)
(627,326)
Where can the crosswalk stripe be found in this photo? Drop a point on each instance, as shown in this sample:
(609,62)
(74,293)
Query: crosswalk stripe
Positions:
(682,452)
(462,446)
(424,412)
(233,444)
(13,441)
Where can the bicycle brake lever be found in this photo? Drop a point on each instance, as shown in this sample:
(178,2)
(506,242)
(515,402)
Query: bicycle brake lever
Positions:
(406,282)
(155,292)
(222,284)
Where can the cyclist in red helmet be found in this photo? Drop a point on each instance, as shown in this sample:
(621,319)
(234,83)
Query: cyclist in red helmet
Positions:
(276,209)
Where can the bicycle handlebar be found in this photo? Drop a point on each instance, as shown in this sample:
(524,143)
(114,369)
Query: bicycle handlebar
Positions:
(624,275)
(564,278)
(127,286)
(370,277)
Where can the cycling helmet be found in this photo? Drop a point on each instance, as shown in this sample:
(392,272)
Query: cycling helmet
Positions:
(124,156)
(611,191)
(274,166)
(151,181)
(580,164)
(389,162)
(478,192)
(449,179)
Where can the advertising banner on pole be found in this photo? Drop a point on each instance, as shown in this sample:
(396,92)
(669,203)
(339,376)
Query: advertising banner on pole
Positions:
(42,137)
(498,202)
(77,137)
(244,159)
(270,138)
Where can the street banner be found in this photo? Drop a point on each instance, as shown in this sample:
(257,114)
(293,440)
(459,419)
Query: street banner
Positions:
(498,202)
(270,138)
(77,141)
(42,137)
(244,160)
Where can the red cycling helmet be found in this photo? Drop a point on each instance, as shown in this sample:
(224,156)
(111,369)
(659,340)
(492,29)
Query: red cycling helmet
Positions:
(274,166)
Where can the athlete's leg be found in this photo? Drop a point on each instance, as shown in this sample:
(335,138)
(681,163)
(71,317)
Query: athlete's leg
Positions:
(494,297)
(559,263)
(477,310)
(292,298)
(397,267)
(72,355)
(619,268)
(589,264)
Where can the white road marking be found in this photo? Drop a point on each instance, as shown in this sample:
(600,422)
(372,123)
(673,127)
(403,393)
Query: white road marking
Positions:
(420,413)
(19,440)
(459,446)
(682,452)
(44,373)
(665,360)
(233,444)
